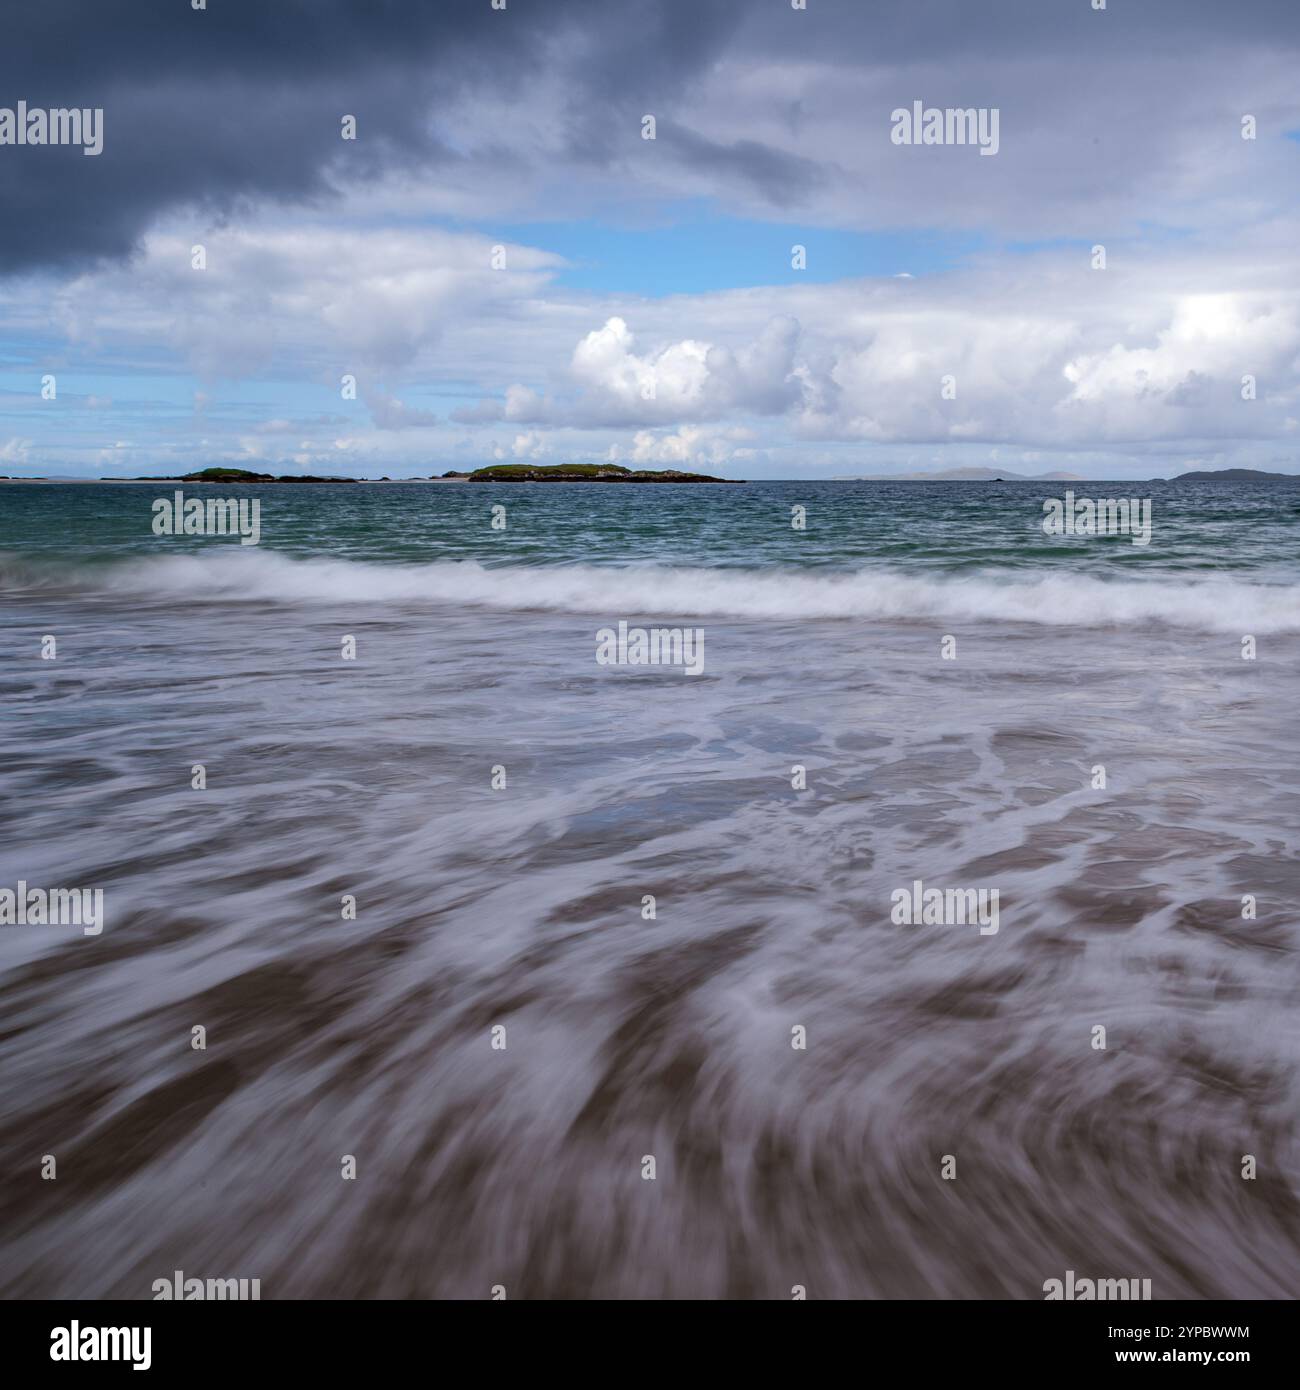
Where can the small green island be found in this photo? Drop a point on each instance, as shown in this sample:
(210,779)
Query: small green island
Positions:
(580,473)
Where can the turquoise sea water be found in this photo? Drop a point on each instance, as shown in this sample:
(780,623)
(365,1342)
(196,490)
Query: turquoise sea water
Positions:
(1221,556)
(1251,529)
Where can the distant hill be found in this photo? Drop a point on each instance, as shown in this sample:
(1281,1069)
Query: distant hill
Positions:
(963,475)
(1234,475)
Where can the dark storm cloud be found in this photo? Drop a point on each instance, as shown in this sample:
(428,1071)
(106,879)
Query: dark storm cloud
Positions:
(245,98)
(242,101)
(777,176)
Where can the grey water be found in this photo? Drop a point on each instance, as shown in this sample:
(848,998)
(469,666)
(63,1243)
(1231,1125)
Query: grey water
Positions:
(931,1049)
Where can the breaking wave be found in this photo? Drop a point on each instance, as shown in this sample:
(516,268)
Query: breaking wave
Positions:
(233,575)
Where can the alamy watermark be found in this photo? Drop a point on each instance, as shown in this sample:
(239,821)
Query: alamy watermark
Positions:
(655,646)
(1107,516)
(945,907)
(948,125)
(178,1287)
(59,125)
(1071,1289)
(53,907)
(208,516)
(77,1343)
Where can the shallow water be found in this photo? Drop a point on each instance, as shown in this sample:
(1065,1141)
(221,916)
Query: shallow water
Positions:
(522,907)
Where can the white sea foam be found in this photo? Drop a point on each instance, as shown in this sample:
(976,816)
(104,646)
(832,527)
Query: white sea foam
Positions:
(1054,599)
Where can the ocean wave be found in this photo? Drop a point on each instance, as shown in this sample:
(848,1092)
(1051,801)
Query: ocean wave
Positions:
(1053,599)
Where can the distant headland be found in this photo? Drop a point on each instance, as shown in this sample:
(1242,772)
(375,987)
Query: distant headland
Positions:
(992,475)
(1232,475)
(962,475)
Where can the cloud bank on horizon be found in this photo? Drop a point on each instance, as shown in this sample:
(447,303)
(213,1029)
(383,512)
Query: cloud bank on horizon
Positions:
(771,286)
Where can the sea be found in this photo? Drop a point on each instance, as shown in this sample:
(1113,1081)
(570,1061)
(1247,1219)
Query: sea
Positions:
(458,942)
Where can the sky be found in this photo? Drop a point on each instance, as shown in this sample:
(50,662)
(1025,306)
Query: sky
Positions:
(507,269)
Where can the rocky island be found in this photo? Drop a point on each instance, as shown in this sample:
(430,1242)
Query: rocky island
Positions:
(583,473)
